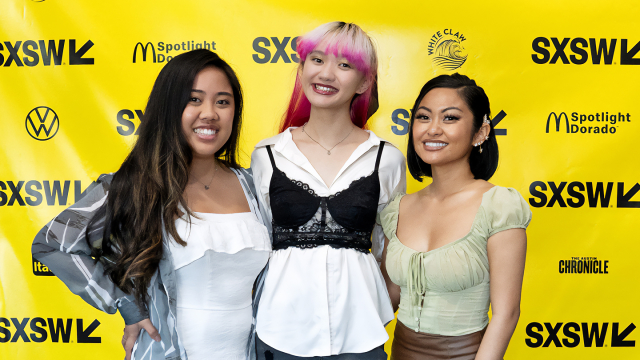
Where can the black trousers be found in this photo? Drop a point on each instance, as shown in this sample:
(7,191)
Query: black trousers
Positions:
(266,352)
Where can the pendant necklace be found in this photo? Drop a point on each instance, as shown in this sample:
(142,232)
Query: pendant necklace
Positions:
(206,187)
(328,150)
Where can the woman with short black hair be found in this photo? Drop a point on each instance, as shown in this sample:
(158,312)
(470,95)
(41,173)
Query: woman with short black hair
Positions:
(458,245)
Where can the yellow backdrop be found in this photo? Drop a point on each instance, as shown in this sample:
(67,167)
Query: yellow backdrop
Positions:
(562,77)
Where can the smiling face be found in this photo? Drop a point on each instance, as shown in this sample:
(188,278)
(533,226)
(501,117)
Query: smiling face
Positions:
(443,130)
(330,81)
(207,120)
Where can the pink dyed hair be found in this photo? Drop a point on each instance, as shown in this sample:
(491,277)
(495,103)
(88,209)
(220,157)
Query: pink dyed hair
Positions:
(342,39)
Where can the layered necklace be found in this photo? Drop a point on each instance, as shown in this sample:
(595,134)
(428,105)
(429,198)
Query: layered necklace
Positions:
(316,141)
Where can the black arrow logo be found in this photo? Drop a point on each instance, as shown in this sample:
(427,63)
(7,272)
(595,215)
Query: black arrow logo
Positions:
(75,57)
(626,58)
(624,200)
(83,335)
(496,120)
(618,340)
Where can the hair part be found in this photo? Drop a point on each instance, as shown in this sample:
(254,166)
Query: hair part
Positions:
(340,39)
(146,192)
(483,165)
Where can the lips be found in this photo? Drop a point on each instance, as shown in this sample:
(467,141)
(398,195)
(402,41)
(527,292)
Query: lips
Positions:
(324,89)
(434,145)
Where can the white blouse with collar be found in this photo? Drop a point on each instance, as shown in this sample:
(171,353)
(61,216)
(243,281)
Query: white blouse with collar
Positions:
(324,301)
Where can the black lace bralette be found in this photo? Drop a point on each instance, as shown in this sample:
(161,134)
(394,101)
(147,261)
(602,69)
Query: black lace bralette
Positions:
(303,219)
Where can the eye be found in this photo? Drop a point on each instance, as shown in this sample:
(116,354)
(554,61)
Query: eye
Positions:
(345,65)
(422,117)
(316,60)
(223,102)
(451,118)
(194,99)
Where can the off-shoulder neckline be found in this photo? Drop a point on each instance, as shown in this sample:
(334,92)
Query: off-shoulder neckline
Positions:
(448,245)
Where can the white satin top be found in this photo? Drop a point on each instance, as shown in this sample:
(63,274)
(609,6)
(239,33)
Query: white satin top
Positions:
(324,301)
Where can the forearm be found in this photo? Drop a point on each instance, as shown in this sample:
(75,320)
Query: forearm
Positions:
(496,339)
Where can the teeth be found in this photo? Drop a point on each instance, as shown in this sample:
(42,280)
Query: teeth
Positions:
(324,88)
(435,144)
(205,131)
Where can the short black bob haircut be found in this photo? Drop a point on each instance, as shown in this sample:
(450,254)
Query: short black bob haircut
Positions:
(483,165)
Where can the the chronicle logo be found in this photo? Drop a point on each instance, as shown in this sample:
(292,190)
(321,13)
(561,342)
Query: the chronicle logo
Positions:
(597,123)
(59,330)
(582,193)
(42,123)
(166,50)
(583,265)
(446,48)
(48,51)
(572,334)
(601,51)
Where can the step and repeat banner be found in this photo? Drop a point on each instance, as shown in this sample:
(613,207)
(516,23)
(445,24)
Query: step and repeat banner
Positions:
(562,78)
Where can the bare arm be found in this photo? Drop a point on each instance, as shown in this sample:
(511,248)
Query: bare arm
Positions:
(392,288)
(507,251)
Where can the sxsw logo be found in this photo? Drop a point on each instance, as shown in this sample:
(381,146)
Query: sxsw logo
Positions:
(42,123)
(402,117)
(55,192)
(577,51)
(261,46)
(595,123)
(582,193)
(58,330)
(573,334)
(47,53)
(165,49)
(125,118)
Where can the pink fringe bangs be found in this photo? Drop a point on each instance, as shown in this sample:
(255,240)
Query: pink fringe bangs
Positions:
(339,39)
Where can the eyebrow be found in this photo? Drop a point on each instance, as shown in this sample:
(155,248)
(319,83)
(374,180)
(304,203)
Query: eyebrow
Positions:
(317,51)
(219,93)
(443,110)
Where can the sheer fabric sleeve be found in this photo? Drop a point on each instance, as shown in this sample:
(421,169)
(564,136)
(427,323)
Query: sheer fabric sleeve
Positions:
(61,245)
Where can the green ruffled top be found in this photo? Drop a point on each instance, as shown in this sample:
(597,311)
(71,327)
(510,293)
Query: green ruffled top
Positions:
(445,291)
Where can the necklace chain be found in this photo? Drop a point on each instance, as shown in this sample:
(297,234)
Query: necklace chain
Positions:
(316,141)
(206,187)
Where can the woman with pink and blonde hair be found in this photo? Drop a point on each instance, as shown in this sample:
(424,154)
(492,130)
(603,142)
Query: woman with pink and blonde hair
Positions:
(323,179)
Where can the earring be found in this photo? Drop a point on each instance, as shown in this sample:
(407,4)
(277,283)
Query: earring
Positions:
(480,149)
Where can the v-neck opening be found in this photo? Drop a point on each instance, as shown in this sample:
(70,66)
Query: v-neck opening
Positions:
(350,160)
(447,245)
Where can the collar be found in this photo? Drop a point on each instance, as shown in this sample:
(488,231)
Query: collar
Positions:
(283,144)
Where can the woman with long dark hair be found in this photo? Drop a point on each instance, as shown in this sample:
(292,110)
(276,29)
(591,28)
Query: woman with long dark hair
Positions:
(324,178)
(458,245)
(174,239)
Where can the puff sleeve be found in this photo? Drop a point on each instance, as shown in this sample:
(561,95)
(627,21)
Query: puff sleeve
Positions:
(388,218)
(507,210)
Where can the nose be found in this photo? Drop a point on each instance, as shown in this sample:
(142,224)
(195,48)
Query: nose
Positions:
(434,128)
(208,111)
(326,73)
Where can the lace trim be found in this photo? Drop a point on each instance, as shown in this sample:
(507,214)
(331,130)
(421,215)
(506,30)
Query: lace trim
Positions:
(304,186)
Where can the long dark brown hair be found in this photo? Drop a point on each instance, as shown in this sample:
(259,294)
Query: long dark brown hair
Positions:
(145,193)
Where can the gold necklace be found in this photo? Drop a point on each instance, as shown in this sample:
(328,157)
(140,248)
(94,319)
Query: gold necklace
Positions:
(328,150)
